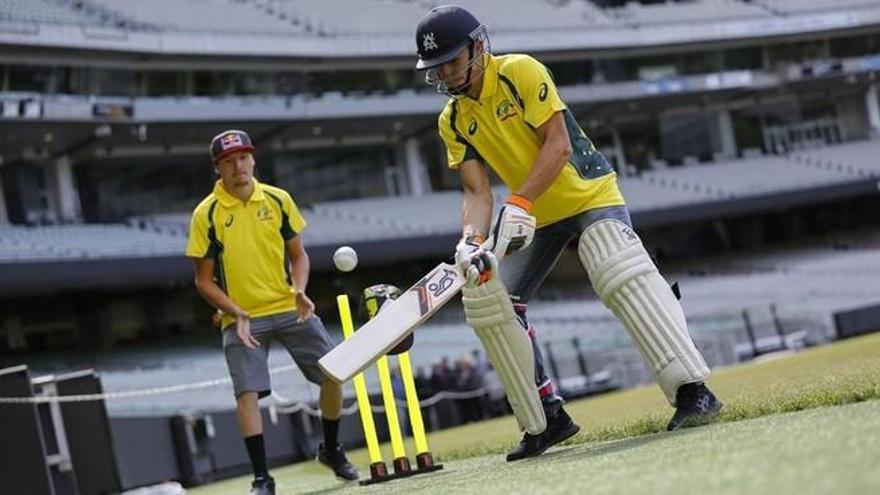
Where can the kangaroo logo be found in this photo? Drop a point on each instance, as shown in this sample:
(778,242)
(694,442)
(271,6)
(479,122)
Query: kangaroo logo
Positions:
(428,289)
(440,286)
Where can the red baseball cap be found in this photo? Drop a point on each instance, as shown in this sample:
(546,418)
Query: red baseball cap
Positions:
(230,141)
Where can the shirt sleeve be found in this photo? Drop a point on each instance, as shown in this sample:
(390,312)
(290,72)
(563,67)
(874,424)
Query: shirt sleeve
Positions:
(540,97)
(198,245)
(292,220)
(458,149)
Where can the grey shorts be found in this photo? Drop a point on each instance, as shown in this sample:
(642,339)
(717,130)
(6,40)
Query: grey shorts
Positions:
(249,368)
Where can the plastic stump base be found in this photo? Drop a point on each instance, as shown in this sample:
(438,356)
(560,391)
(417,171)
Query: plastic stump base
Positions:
(402,469)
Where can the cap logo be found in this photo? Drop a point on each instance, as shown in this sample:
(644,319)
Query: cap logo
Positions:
(428,42)
(231,140)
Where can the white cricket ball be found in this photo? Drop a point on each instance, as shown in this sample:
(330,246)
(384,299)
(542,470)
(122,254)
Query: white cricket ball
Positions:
(345,258)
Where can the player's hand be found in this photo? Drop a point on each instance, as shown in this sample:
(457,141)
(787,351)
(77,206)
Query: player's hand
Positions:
(514,227)
(482,268)
(243,330)
(466,247)
(304,306)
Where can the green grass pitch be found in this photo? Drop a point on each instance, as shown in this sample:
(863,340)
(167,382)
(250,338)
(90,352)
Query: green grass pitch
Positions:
(777,434)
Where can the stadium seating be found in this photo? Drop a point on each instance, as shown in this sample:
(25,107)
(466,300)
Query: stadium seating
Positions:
(855,158)
(801,6)
(44,11)
(740,178)
(439,213)
(202,15)
(66,242)
(636,14)
(366,18)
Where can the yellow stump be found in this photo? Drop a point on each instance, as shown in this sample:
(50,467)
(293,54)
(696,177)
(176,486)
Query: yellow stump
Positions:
(412,404)
(360,388)
(401,463)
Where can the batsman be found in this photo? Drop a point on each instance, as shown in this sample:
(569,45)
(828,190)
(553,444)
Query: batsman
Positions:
(504,113)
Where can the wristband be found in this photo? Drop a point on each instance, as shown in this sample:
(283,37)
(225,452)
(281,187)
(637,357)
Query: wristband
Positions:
(520,201)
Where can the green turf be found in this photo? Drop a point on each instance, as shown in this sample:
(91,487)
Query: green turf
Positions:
(819,451)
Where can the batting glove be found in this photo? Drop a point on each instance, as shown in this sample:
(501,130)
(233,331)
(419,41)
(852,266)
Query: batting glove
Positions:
(514,227)
(466,247)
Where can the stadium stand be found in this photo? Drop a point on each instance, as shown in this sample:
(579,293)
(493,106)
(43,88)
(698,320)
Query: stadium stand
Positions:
(91,241)
(799,6)
(365,18)
(749,177)
(637,14)
(438,213)
(857,158)
(46,11)
(203,16)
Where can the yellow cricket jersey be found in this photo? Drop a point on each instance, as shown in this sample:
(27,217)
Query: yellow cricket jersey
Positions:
(517,97)
(247,242)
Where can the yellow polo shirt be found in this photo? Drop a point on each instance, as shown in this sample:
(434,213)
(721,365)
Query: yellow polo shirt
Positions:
(247,242)
(499,129)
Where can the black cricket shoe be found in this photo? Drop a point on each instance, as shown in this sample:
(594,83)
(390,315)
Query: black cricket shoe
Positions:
(695,405)
(559,428)
(334,458)
(263,486)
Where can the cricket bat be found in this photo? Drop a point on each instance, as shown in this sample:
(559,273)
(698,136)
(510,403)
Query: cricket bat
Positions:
(395,322)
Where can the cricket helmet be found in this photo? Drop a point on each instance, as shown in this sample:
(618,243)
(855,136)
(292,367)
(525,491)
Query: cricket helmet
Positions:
(443,33)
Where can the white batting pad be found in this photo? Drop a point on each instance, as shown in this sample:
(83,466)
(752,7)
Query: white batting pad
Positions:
(490,313)
(627,281)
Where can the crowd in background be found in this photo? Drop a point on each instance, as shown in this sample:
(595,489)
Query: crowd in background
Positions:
(471,375)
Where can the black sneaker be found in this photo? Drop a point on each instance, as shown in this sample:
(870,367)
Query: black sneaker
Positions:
(559,428)
(335,459)
(695,405)
(263,486)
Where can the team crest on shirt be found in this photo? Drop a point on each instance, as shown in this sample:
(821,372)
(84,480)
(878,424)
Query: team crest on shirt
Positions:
(264,213)
(505,110)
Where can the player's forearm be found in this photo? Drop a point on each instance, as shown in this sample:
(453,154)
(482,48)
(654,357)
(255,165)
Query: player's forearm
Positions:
(301,265)
(476,212)
(215,296)
(552,157)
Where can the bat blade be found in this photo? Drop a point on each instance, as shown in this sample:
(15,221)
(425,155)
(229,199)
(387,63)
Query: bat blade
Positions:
(394,323)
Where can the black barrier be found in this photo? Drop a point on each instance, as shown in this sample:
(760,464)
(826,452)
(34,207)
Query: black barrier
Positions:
(304,434)
(192,435)
(88,434)
(280,449)
(857,321)
(22,451)
(144,449)
(55,440)
(209,446)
